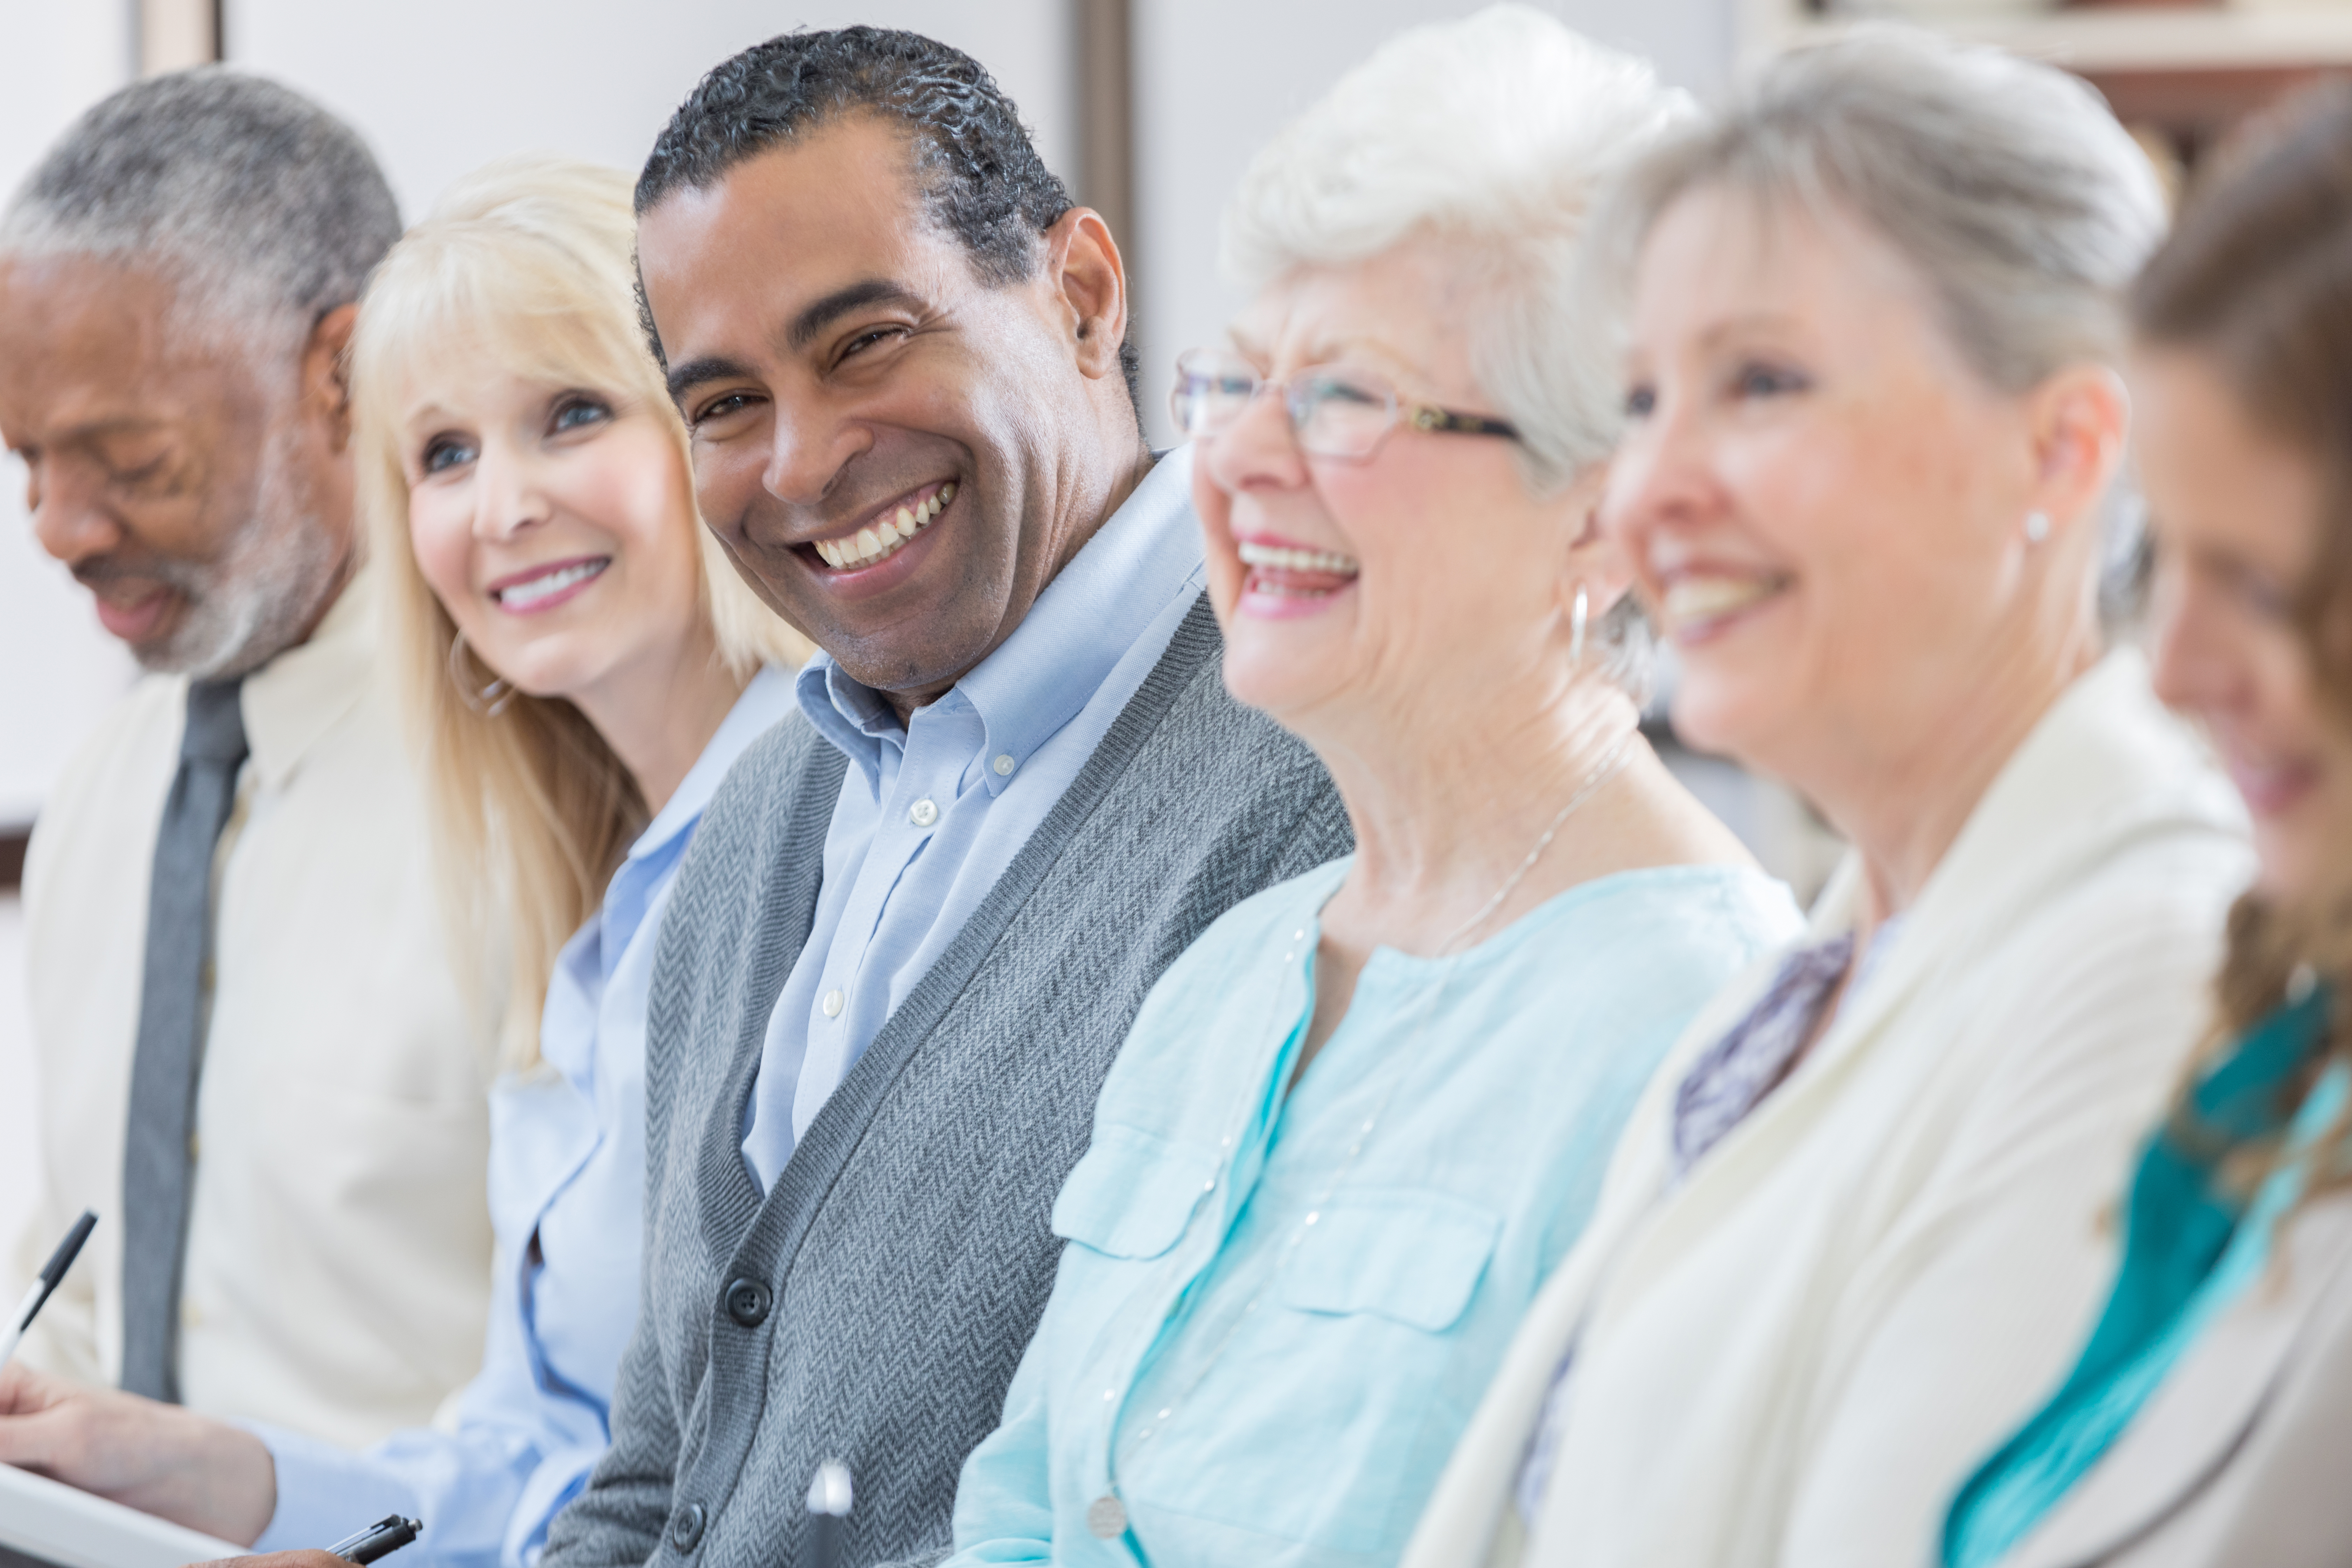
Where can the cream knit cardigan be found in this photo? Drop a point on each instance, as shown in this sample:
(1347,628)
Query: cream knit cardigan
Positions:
(1793,1357)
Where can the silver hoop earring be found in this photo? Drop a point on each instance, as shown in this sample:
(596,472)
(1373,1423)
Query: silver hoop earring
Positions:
(488,701)
(2037,526)
(1576,624)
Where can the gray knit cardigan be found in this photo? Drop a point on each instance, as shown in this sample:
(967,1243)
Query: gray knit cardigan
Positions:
(873,1307)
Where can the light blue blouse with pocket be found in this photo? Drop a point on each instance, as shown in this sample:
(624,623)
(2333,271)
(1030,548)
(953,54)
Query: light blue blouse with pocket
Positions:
(1276,1312)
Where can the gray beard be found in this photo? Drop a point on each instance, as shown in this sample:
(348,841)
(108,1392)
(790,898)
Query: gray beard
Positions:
(266,589)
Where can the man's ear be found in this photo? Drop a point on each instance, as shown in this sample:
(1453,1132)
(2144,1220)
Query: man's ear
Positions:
(326,373)
(1089,277)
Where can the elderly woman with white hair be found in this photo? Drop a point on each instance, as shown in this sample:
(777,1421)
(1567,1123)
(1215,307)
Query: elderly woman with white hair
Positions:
(1859,1223)
(1359,1122)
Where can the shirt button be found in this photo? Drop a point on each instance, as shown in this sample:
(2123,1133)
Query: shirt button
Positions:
(685,1530)
(1005,766)
(833,1003)
(746,1302)
(922,814)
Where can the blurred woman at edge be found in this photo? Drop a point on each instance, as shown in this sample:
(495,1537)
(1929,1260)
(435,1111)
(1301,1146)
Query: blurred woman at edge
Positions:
(1855,1227)
(582,666)
(2207,1420)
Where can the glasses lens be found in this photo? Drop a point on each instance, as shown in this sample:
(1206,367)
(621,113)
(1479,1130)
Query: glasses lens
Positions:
(1212,391)
(1340,414)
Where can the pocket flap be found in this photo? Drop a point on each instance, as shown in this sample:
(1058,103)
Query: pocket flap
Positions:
(1133,1194)
(1415,1257)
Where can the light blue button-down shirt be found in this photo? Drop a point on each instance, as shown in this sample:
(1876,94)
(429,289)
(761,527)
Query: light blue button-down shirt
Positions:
(567,1188)
(1281,1303)
(930,815)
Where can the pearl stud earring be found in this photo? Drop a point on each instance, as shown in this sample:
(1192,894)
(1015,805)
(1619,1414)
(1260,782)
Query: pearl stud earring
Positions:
(2037,526)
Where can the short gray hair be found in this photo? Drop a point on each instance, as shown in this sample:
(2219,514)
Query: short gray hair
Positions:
(1494,136)
(2026,209)
(265,210)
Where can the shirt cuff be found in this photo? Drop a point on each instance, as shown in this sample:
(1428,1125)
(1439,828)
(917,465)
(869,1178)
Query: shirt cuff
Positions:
(325,1493)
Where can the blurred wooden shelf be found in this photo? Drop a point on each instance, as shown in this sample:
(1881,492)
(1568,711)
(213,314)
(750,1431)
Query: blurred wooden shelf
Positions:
(2101,39)
(2189,69)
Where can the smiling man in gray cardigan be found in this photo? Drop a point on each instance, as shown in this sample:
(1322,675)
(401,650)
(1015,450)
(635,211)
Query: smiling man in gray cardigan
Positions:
(919,917)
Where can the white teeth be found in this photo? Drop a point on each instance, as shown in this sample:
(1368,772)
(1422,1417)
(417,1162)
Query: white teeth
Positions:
(522,595)
(1283,559)
(1690,599)
(877,540)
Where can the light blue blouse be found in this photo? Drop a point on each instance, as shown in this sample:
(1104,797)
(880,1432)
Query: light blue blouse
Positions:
(1276,1312)
(566,1189)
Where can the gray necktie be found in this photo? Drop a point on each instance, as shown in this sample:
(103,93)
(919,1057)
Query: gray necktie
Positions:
(156,1158)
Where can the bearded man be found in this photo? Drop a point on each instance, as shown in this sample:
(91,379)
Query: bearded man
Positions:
(258,1063)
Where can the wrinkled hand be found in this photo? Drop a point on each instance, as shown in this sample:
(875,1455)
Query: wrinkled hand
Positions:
(158,1458)
(310,1558)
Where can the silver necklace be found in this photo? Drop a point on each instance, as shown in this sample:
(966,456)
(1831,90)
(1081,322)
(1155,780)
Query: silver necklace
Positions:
(1106,1517)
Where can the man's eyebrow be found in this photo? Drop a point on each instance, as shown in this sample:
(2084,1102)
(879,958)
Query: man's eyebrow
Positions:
(803,331)
(694,372)
(841,301)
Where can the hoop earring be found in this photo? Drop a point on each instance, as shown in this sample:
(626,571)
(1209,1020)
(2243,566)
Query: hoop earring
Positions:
(1576,624)
(487,700)
(2037,526)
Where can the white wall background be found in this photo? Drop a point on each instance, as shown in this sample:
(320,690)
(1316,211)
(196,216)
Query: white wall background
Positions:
(441,87)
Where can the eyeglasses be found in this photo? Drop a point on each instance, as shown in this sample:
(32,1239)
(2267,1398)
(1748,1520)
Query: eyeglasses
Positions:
(1334,412)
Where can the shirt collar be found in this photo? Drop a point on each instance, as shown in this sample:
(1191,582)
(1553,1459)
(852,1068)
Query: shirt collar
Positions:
(1037,680)
(290,703)
(764,702)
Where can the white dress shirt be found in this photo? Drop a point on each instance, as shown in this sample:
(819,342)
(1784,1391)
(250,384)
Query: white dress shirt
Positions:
(932,812)
(338,1268)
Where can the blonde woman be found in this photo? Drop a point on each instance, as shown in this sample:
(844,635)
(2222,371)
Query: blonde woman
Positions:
(582,668)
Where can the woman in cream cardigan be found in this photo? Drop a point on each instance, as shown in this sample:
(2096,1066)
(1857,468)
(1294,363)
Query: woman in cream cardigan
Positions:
(1855,1227)
(2208,1417)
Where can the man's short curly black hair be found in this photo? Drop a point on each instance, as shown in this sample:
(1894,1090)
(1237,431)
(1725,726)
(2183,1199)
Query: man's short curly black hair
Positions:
(985,183)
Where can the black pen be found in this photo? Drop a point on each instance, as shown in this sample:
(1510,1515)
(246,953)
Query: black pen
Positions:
(828,1506)
(37,1297)
(381,1539)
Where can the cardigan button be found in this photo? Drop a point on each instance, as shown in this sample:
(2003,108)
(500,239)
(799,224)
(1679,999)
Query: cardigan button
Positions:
(748,1301)
(685,1530)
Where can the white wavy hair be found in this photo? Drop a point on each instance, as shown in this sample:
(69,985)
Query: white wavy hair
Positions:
(1493,134)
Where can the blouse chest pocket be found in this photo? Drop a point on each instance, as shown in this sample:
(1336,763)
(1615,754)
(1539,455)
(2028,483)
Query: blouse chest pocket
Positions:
(1412,1258)
(1133,1194)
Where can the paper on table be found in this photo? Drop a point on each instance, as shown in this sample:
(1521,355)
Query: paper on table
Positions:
(49,1522)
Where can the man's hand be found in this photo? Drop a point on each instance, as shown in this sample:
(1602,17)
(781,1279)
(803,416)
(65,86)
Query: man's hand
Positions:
(310,1559)
(158,1458)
